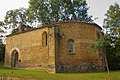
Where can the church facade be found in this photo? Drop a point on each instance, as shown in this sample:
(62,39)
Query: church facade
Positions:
(57,47)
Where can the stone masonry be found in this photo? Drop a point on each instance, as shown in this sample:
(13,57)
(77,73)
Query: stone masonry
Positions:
(47,48)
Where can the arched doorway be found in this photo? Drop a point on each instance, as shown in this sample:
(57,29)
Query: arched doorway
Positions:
(14,58)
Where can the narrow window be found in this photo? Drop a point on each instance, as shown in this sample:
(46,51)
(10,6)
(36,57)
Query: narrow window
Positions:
(44,39)
(98,35)
(71,48)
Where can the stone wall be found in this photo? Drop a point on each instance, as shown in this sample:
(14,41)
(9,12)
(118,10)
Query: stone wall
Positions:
(55,57)
(51,50)
(84,35)
(31,52)
(82,67)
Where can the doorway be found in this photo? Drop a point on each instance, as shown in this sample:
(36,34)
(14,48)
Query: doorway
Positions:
(14,58)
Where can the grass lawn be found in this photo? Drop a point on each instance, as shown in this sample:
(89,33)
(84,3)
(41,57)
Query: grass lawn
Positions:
(41,75)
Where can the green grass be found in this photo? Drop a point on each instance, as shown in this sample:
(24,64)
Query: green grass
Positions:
(41,75)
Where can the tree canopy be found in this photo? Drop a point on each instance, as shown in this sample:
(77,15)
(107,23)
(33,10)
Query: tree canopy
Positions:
(110,42)
(112,20)
(48,11)
(14,17)
(2,52)
(112,27)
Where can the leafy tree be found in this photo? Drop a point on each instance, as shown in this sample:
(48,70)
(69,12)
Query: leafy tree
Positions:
(14,31)
(14,17)
(47,11)
(21,27)
(2,32)
(111,40)
(112,20)
(1,23)
(112,27)
(2,46)
(2,52)
(1,27)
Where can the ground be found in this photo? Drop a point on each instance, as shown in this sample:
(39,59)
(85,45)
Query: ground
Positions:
(41,75)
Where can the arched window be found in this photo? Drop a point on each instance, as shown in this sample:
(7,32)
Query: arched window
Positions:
(44,39)
(15,58)
(71,46)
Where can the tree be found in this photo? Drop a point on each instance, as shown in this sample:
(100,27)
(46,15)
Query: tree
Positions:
(112,27)
(21,28)
(111,40)
(112,20)
(2,52)
(2,32)
(48,11)
(14,17)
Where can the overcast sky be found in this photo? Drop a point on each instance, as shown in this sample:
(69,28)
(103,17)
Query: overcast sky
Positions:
(97,7)
(6,5)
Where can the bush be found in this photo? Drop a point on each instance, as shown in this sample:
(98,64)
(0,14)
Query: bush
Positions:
(2,52)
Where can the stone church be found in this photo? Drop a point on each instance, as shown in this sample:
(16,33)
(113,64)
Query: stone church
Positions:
(58,47)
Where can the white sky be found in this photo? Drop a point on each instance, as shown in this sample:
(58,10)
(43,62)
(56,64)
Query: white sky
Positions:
(6,5)
(97,7)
